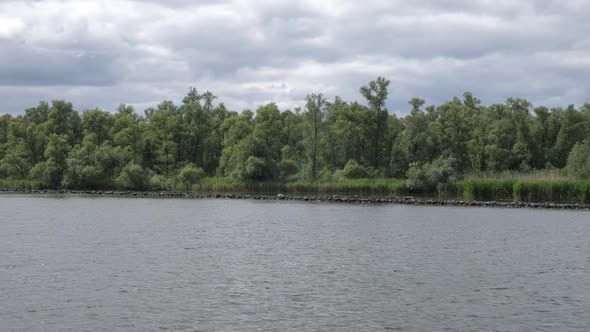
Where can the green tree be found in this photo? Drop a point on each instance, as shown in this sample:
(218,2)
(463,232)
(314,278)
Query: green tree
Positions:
(99,123)
(267,144)
(314,115)
(376,93)
(578,161)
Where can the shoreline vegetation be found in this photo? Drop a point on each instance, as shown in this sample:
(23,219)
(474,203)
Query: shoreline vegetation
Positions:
(532,193)
(460,150)
(351,199)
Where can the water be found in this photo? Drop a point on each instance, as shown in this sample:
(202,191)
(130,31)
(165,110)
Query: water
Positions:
(116,264)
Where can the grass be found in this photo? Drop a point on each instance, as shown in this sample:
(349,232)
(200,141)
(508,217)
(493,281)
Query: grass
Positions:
(345,186)
(570,191)
(21,184)
(504,187)
(559,190)
(219,184)
(350,186)
(485,189)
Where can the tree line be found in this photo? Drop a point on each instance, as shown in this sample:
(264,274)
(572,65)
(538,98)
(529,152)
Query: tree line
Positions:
(57,146)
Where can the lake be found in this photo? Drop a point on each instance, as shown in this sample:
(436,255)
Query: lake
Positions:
(72,263)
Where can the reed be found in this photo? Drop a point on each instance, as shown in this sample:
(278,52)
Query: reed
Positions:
(350,186)
(562,191)
(485,189)
(526,189)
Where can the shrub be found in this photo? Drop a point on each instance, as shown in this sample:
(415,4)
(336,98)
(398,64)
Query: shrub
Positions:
(578,161)
(353,170)
(255,169)
(158,182)
(79,175)
(133,177)
(426,177)
(287,168)
(191,175)
(47,173)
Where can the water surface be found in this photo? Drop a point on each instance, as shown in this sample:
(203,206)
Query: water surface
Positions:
(123,264)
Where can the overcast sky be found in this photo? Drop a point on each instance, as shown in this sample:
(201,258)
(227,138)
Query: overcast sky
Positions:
(102,53)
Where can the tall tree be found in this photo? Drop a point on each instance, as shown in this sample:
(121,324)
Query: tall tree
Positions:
(376,93)
(314,115)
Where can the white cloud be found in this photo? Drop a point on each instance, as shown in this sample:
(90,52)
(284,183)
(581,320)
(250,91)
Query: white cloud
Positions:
(101,53)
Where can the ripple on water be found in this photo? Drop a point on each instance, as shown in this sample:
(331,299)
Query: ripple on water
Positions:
(108,264)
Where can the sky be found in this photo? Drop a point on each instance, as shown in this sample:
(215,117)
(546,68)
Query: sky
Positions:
(103,53)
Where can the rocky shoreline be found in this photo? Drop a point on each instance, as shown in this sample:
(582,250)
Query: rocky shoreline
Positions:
(358,199)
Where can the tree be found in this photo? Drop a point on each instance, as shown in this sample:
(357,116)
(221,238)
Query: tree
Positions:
(238,144)
(314,115)
(51,171)
(63,120)
(267,144)
(578,161)
(99,123)
(376,93)
(15,163)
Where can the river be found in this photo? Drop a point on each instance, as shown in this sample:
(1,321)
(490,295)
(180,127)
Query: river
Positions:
(72,263)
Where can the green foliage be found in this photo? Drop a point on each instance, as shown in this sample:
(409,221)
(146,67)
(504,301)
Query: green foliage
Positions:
(323,145)
(527,190)
(287,168)
(350,186)
(20,184)
(488,189)
(255,169)
(578,161)
(47,173)
(222,184)
(573,191)
(191,175)
(78,175)
(159,182)
(427,177)
(134,177)
(353,170)
(15,164)
(314,119)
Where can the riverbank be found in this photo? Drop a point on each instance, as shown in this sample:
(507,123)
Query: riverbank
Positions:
(517,189)
(355,199)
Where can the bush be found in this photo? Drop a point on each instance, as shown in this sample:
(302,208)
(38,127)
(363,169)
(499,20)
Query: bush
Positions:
(578,161)
(78,175)
(159,182)
(47,173)
(427,177)
(287,168)
(134,177)
(353,170)
(255,169)
(191,175)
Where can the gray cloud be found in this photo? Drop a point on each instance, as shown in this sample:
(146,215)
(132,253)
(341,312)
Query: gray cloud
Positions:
(101,53)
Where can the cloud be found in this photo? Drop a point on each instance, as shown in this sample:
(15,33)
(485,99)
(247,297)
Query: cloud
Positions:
(101,53)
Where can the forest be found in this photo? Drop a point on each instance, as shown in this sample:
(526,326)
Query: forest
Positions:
(200,141)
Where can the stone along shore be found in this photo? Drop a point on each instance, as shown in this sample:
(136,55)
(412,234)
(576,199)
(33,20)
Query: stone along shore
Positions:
(358,199)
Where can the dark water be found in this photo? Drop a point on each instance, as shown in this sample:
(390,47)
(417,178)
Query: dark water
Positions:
(102,264)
